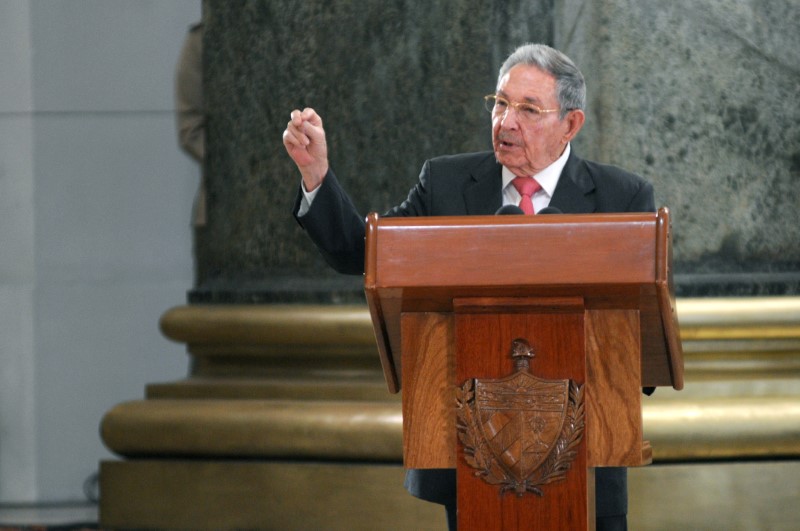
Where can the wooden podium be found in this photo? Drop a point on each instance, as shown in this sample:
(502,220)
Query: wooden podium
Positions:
(587,304)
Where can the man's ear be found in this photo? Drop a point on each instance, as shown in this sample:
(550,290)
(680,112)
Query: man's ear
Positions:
(575,120)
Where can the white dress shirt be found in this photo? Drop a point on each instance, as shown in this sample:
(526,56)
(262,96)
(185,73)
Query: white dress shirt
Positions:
(547,178)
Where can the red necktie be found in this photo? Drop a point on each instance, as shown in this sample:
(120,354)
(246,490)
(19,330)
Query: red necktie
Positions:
(526,186)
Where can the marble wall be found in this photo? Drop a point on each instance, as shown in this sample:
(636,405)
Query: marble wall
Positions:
(698,98)
(95,198)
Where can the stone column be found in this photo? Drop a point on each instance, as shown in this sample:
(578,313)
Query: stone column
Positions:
(395,83)
(701,99)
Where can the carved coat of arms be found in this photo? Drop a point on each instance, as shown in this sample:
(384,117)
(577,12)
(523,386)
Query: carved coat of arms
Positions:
(520,432)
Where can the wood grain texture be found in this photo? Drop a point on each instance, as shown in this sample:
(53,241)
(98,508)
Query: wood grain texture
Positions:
(602,249)
(613,397)
(429,426)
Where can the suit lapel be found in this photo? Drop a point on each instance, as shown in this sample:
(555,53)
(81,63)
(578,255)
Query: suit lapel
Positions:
(484,196)
(574,191)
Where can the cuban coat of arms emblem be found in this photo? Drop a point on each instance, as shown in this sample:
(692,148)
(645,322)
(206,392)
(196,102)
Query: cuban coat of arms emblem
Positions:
(520,432)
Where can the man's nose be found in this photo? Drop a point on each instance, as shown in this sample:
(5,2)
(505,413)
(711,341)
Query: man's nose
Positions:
(509,119)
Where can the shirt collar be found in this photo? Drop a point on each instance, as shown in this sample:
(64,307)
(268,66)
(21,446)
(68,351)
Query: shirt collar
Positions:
(547,178)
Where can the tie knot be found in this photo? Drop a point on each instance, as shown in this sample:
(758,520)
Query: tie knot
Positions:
(526,186)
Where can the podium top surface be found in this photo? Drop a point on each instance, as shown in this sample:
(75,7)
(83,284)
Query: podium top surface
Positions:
(515,251)
(611,260)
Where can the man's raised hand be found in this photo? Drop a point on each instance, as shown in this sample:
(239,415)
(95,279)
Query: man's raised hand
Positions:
(304,139)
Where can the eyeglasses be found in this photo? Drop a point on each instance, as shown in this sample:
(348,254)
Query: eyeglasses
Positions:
(526,111)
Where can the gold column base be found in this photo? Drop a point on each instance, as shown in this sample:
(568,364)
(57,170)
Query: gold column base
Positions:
(216,495)
(284,421)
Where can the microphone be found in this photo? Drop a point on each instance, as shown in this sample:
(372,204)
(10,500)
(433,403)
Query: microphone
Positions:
(506,210)
(550,210)
(514,210)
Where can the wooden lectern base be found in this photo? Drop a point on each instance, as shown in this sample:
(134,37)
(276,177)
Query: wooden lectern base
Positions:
(590,347)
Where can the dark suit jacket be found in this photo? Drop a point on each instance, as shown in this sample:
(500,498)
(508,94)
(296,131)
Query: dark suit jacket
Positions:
(470,184)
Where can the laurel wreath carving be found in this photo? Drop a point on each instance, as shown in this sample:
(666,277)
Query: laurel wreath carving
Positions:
(479,456)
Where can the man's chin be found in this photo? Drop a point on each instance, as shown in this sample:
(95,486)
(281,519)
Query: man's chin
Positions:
(503,159)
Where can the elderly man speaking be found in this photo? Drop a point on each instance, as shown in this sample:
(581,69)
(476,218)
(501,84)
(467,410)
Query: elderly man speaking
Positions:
(536,110)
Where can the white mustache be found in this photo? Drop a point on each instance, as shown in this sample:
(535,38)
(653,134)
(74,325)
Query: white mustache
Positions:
(508,138)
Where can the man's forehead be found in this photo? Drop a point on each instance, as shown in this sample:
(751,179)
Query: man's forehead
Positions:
(527,83)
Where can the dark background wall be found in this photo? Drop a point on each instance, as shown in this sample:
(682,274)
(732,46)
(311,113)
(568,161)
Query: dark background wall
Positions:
(700,99)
